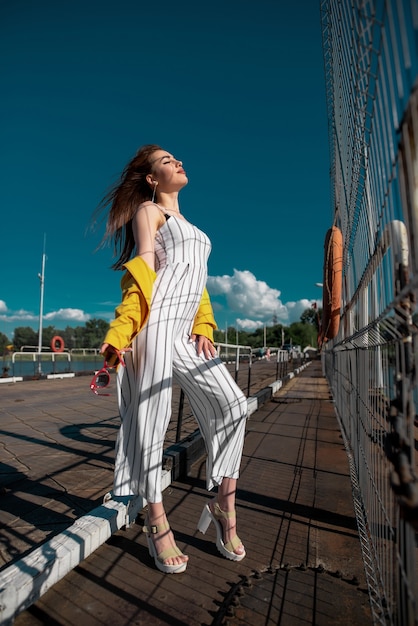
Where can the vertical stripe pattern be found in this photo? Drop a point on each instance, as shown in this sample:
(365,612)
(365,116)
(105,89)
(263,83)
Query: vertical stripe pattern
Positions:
(163,351)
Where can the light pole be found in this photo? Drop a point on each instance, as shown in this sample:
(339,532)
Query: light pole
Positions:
(41,308)
(226,339)
(318,321)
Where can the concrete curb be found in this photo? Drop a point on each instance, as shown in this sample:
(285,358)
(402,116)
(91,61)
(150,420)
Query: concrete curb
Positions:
(11,379)
(26,580)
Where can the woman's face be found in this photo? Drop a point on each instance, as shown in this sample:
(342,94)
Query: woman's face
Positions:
(167,171)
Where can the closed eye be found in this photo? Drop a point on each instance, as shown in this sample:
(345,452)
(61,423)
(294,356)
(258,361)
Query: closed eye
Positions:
(171,161)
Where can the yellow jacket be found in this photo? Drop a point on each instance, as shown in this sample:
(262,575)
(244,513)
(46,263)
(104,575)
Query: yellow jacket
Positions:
(133,312)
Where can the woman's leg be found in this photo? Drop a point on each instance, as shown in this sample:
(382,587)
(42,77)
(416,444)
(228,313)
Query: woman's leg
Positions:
(145,389)
(226,500)
(145,416)
(163,540)
(220,408)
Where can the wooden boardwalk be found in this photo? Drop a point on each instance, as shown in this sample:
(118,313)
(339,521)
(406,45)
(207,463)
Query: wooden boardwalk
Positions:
(295,515)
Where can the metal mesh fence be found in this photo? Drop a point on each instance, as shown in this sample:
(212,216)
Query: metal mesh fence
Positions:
(371,68)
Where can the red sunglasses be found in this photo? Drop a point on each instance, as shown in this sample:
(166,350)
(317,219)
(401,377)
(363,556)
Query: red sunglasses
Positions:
(101,379)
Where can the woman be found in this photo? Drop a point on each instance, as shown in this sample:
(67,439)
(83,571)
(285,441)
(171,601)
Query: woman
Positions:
(167,319)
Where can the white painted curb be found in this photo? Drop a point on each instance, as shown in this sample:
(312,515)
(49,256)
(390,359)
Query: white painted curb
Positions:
(63,375)
(23,582)
(252,404)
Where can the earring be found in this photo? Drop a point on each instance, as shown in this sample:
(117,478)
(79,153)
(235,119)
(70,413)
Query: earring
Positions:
(153,191)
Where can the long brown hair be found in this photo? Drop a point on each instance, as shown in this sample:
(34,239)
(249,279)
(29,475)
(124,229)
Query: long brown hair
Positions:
(124,198)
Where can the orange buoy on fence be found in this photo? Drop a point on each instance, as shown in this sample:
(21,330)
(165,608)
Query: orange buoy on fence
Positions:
(333,273)
(57,344)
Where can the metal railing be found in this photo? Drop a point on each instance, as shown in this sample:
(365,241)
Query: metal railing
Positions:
(37,359)
(371,68)
(29,362)
(238,355)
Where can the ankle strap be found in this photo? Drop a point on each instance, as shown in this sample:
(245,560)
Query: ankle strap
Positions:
(153,529)
(219,513)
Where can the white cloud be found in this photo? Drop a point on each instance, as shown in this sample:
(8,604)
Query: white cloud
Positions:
(103,315)
(70,315)
(21,316)
(3,306)
(245,294)
(18,316)
(295,309)
(253,301)
(249,325)
(109,303)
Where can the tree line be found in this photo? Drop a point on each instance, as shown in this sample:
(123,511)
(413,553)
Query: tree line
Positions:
(303,333)
(91,335)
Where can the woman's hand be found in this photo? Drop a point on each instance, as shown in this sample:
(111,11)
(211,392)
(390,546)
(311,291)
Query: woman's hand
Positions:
(106,350)
(113,356)
(203,344)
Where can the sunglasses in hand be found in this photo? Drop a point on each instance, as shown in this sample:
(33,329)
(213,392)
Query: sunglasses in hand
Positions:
(101,379)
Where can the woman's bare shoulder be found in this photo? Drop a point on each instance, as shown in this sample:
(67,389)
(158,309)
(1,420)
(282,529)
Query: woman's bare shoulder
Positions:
(148,208)
(150,212)
(148,205)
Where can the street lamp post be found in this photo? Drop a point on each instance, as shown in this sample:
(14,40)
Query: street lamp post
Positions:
(41,308)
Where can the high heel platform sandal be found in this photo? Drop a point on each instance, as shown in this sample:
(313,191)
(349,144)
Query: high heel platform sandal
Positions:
(171,552)
(226,549)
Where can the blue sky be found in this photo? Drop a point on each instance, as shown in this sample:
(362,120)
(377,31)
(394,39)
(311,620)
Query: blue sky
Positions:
(233,88)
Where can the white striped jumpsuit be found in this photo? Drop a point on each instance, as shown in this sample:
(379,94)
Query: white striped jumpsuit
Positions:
(163,350)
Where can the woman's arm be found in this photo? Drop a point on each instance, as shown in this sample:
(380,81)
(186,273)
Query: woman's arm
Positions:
(145,224)
(133,311)
(203,327)
(204,322)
